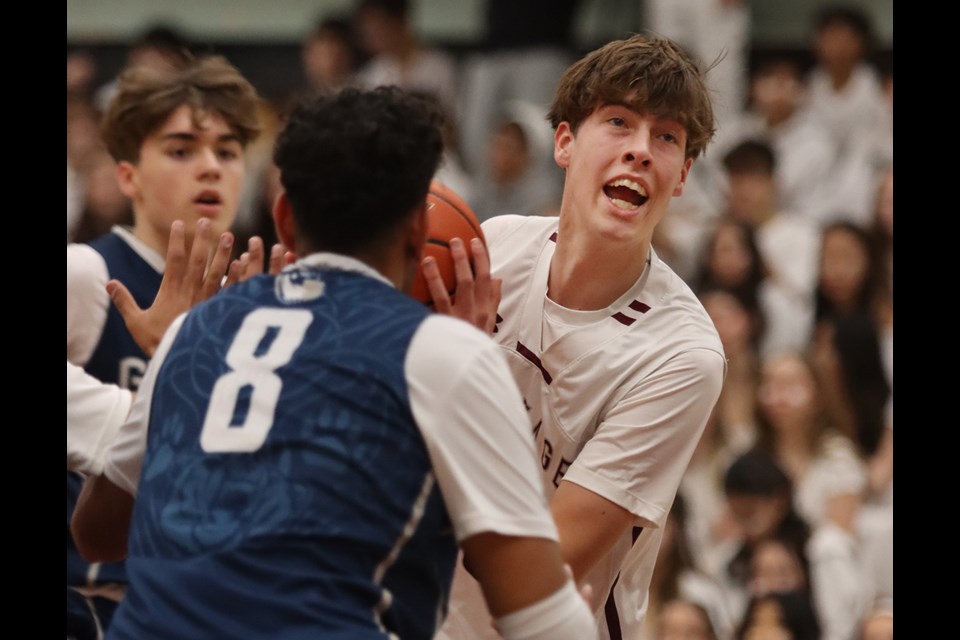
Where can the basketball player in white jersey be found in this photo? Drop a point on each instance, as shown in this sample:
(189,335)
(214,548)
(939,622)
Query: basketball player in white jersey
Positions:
(618,363)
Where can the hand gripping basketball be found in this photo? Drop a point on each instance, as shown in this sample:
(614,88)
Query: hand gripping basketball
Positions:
(448,279)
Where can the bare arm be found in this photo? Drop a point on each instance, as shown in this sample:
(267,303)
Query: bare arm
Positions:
(527,588)
(583,545)
(502,565)
(101,521)
(627,474)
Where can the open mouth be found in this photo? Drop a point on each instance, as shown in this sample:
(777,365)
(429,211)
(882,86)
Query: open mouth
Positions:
(625,193)
(208,198)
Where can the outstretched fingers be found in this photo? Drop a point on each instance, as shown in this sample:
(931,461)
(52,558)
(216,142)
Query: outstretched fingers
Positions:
(213,279)
(197,264)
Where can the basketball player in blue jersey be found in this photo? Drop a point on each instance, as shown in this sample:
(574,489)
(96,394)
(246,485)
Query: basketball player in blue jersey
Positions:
(178,138)
(307,450)
(616,359)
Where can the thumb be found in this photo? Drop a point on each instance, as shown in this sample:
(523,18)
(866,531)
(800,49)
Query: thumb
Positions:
(122,299)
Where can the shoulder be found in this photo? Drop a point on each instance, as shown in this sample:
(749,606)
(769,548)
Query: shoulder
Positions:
(84,261)
(676,313)
(443,343)
(837,465)
(87,273)
(830,541)
(437,59)
(503,227)
(867,79)
(836,447)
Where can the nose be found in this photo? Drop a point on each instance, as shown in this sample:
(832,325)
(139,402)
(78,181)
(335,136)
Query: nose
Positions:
(209,164)
(638,147)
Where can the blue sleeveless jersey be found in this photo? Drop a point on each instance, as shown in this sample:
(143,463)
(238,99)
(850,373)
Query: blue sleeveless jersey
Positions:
(117,359)
(286,490)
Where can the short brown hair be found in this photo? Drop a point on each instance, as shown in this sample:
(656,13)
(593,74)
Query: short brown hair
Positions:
(648,74)
(146,97)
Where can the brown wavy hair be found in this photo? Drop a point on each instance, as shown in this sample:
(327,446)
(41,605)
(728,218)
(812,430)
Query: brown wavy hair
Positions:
(647,74)
(146,97)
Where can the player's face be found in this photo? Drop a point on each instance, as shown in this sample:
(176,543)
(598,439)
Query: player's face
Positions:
(622,169)
(185,172)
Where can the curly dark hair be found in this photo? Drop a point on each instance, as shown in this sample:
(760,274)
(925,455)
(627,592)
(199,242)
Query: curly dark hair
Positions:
(356,163)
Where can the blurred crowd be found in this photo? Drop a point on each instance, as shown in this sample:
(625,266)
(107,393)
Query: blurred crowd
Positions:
(784,522)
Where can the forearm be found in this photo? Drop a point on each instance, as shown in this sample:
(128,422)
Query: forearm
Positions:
(101,521)
(584,545)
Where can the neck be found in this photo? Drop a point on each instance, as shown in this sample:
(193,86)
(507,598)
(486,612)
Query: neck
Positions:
(589,273)
(776,118)
(840,75)
(405,50)
(794,440)
(157,240)
(764,215)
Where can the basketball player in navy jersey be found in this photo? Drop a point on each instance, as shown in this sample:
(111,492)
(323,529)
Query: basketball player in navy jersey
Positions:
(178,137)
(616,359)
(307,450)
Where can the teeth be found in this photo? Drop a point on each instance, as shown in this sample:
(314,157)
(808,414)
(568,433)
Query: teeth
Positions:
(630,184)
(623,204)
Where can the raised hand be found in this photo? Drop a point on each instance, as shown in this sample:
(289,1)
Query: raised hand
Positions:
(186,281)
(250,262)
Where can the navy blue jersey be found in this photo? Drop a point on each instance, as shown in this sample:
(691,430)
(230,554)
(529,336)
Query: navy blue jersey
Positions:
(286,489)
(119,360)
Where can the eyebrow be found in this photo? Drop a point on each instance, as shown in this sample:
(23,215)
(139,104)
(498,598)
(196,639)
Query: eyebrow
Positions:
(659,116)
(190,137)
(617,103)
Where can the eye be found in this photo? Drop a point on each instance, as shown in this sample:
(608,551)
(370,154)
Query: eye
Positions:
(178,152)
(228,154)
(671,138)
(617,121)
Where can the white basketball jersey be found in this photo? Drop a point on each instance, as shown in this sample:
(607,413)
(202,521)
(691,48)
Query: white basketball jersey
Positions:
(617,401)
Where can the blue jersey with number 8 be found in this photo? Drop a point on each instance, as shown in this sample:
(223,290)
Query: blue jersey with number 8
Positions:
(286,490)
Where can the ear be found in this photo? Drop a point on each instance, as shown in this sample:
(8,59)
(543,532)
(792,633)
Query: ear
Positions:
(678,191)
(417,231)
(562,139)
(128,179)
(283,222)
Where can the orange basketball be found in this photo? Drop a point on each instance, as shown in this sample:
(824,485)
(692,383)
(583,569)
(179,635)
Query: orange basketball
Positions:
(448,217)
